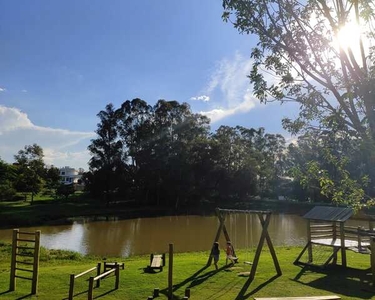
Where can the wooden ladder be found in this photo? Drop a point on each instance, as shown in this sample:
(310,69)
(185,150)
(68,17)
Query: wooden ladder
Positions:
(25,258)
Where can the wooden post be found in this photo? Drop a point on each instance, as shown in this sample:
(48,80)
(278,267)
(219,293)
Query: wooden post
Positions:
(334,237)
(359,238)
(34,287)
(263,236)
(91,287)
(270,245)
(71,287)
(170,273)
(98,267)
(372,244)
(309,247)
(156,292)
(222,220)
(342,238)
(187,293)
(117,274)
(13,264)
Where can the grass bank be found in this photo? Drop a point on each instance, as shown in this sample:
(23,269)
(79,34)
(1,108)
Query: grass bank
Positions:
(189,272)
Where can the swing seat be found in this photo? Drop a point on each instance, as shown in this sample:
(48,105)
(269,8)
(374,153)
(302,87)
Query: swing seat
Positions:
(233,258)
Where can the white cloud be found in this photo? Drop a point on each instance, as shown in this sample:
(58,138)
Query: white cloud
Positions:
(2,89)
(62,147)
(228,88)
(24,91)
(221,113)
(203,98)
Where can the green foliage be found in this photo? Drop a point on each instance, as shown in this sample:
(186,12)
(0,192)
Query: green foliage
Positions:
(65,190)
(332,84)
(167,156)
(30,170)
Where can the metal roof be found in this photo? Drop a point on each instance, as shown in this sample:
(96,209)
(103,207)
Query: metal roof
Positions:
(329,213)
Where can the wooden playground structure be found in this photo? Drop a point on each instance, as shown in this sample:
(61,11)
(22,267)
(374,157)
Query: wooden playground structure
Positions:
(25,258)
(326,227)
(113,268)
(264,218)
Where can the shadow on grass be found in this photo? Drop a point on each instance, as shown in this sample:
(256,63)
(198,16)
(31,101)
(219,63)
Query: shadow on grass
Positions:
(106,293)
(24,297)
(339,280)
(196,279)
(242,294)
(5,292)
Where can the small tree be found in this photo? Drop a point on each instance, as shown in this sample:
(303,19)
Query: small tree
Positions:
(30,170)
(65,190)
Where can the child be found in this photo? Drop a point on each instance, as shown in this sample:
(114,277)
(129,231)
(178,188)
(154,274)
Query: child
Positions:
(215,253)
(230,254)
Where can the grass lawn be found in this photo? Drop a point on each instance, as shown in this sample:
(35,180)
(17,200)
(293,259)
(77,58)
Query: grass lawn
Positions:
(189,272)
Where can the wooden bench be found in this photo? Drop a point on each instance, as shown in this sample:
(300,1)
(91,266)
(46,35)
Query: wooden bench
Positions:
(157,261)
(331,297)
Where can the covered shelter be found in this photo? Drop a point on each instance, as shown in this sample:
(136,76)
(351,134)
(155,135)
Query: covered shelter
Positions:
(326,227)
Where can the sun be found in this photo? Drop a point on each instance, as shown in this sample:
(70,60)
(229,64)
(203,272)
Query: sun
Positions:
(348,36)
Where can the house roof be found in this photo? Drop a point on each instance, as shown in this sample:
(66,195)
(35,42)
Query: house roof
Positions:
(329,213)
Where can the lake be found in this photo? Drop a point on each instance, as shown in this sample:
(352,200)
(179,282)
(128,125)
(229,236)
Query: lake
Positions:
(147,235)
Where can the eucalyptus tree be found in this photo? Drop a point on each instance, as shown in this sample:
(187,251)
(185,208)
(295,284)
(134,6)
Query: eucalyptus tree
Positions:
(106,152)
(321,55)
(177,130)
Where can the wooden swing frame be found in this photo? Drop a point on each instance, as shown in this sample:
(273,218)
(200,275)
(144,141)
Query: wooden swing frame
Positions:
(264,218)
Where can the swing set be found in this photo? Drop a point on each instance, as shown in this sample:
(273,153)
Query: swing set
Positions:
(264,218)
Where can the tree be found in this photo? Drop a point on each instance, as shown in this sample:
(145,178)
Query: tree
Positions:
(52,178)
(30,170)
(65,190)
(300,43)
(7,176)
(106,151)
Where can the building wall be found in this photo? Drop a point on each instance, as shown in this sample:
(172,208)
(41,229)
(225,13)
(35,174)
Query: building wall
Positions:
(69,175)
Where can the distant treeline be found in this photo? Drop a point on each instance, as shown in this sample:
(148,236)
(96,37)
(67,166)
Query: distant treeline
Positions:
(165,154)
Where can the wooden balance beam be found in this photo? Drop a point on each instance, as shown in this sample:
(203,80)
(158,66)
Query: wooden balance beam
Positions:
(331,297)
(157,261)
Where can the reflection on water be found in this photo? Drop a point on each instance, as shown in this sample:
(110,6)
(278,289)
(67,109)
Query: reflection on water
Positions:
(147,235)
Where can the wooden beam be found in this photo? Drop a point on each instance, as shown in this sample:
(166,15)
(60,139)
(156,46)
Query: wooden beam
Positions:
(343,251)
(240,211)
(309,248)
(332,297)
(222,220)
(170,273)
(34,286)
(372,245)
(270,245)
(13,264)
(260,246)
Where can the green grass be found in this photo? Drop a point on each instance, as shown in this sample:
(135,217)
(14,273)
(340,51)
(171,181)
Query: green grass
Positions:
(189,272)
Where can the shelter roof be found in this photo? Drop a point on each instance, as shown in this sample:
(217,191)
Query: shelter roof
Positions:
(329,213)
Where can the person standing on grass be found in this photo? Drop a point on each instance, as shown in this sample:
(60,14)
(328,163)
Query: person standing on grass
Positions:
(215,254)
(230,253)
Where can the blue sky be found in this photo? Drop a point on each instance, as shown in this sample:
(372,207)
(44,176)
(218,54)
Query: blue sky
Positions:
(61,62)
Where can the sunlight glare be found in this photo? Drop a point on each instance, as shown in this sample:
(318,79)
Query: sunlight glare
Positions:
(348,36)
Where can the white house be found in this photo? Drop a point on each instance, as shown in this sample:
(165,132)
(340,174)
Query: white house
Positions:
(69,175)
